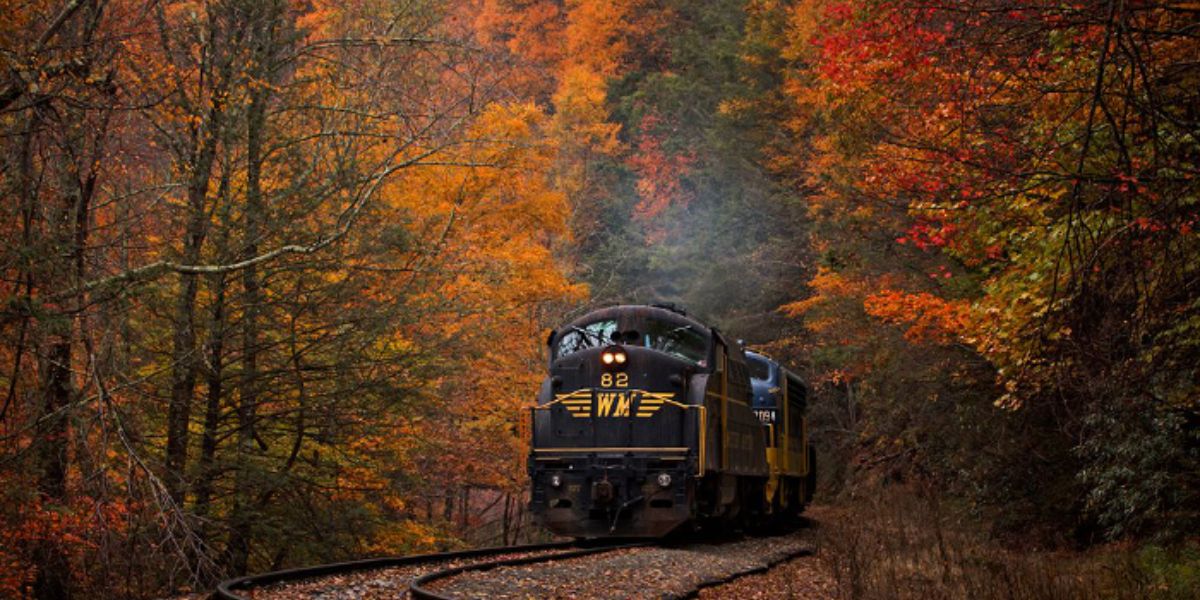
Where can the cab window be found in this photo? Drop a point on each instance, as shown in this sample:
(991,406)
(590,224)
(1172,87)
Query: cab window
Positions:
(760,369)
(682,341)
(592,335)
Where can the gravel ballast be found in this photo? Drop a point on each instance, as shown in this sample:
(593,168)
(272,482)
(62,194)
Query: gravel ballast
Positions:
(651,572)
(376,584)
(801,577)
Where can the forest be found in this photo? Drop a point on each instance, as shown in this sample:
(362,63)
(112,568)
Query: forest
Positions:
(277,275)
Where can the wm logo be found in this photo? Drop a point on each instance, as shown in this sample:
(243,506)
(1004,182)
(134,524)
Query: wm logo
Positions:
(613,404)
(625,403)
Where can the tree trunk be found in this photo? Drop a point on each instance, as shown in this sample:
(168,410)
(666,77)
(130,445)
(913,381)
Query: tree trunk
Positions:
(54,575)
(212,408)
(240,537)
(183,354)
(505,521)
(465,508)
(206,479)
(520,517)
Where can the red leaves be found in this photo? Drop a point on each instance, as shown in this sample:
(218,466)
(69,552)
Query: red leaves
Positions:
(929,235)
(660,172)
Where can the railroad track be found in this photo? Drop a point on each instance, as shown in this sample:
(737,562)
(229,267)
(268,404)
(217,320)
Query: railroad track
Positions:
(233,589)
(420,590)
(529,571)
(421,587)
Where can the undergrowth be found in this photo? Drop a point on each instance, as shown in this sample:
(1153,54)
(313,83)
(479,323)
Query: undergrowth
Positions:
(906,543)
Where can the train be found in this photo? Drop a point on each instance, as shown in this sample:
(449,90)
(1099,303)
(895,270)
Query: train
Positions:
(650,422)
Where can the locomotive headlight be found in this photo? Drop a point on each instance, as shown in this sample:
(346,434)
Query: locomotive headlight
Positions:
(556,481)
(613,356)
(664,480)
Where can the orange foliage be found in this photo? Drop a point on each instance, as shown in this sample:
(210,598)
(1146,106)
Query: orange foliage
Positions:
(532,31)
(928,317)
(606,37)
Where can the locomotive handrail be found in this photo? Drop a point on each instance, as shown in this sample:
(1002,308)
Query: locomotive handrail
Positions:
(703,441)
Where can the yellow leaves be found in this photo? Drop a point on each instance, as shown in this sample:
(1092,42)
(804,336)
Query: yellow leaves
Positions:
(600,35)
(735,106)
(581,119)
(485,222)
(804,23)
(393,346)
(404,536)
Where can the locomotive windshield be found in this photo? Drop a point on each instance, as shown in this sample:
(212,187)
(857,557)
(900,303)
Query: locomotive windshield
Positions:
(682,341)
(679,339)
(759,369)
(592,335)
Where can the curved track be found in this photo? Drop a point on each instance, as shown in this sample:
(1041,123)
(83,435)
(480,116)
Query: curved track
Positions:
(228,590)
(439,569)
(419,590)
(422,588)
(719,581)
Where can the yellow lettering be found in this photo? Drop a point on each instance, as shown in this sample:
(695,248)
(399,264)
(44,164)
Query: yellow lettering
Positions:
(623,406)
(609,380)
(605,404)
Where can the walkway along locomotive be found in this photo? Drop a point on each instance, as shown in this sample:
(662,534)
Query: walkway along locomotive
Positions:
(648,421)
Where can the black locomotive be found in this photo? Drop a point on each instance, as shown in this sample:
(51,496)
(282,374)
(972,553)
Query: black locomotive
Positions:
(648,421)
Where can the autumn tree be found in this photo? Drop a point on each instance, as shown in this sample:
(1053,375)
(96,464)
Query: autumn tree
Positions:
(1006,172)
(231,294)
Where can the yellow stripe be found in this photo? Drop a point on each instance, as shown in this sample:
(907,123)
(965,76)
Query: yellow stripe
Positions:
(718,397)
(658,457)
(610,450)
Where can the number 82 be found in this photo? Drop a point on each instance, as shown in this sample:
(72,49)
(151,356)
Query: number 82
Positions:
(614,380)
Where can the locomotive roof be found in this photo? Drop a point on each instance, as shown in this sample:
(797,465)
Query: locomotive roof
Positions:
(789,373)
(637,311)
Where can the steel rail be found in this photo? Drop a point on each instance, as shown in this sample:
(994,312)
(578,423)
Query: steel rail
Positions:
(418,590)
(732,577)
(227,590)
